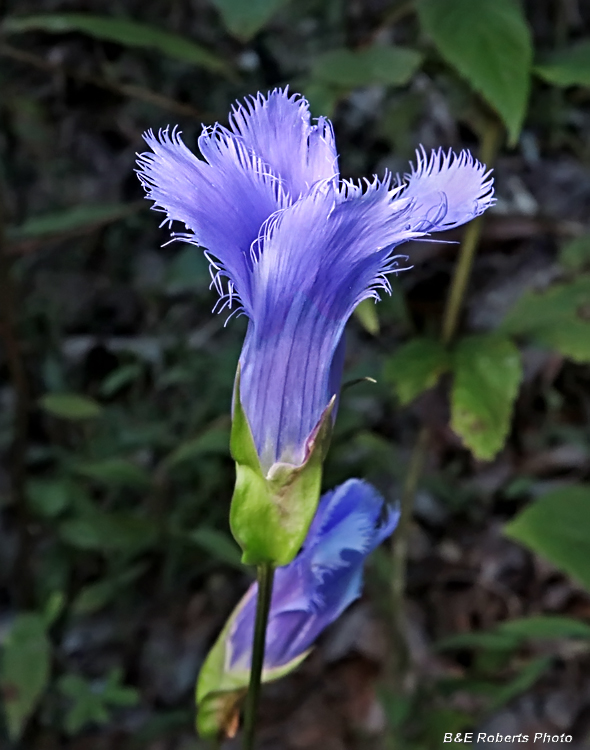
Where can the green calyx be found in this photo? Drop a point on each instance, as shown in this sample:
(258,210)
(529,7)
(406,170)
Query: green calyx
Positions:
(271,513)
(221,690)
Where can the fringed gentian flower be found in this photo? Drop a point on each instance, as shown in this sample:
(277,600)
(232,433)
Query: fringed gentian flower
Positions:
(309,594)
(321,582)
(295,248)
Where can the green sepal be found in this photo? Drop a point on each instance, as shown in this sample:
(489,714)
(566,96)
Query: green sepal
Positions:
(221,691)
(271,513)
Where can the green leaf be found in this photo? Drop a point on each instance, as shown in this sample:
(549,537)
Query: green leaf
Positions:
(119,378)
(415,367)
(213,441)
(71,406)
(49,497)
(322,97)
(115,472)
(188,271)
(271,512)
(489,43)
(525,679)
(25,670)
(575,254)
(75,220)
(217,544)
(366,314)
(112,532)
(390,66)
(54,606)
(545,626)
(487,373)
(509,635)
(245,19)
(89,701)
(95,596)
(122,31)
(557,527)
(558,317)
(488,641)
(567,67)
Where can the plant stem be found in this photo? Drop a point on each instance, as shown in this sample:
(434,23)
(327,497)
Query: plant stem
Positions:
(122,89)
(265,576)
(489,145)
(399,553)
(490,140)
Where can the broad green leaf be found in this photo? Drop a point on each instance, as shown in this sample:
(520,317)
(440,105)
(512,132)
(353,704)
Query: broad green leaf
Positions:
(575,254)
(567,67)
(71,221)
(415,367)
(49,497)
(70,406)
(366,314)
(116,472)
(558,317)
(243,18)
(390,66)
(25,670)
(218,545)
(557,527)
(489,43)
(322,97)
(487,373)
(122,31)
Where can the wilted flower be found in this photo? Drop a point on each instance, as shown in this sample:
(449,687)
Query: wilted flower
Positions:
(295,247)
(321,582)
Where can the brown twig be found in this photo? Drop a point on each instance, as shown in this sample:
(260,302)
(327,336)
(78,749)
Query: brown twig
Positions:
(9,336)
(127,90)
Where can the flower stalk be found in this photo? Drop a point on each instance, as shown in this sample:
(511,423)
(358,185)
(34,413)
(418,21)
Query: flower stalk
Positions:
(265,577)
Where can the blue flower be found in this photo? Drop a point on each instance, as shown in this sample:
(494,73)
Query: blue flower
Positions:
(321,582)
(295,248)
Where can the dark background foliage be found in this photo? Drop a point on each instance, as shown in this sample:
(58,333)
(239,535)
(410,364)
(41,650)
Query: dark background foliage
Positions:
(117,568)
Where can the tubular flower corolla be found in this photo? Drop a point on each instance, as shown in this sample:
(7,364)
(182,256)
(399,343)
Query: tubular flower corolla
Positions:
(321,582)
(295,248)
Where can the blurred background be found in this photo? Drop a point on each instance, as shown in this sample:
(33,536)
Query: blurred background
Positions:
(117,568)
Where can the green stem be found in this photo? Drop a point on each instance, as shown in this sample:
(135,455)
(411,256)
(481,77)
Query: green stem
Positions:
(265,576)
(489,144)
(399,554)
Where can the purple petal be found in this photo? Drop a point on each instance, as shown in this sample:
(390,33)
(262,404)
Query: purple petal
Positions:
(224,201)
(318,259)
(324,579)
(277,128)
(448,189)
